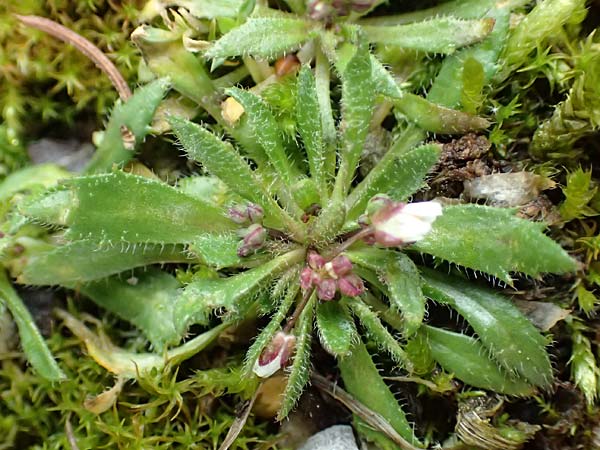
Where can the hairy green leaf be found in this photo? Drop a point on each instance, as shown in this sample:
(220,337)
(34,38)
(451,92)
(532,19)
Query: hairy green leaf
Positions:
(32,342)
(378,333)
(221,159)
(33,177)
(263,128)
(432,117)
(494,241)
(127,127)
(362,380)
(438,35)
(129,208)
(147,300)
(309,125)
(453,77)
(232,296)
(404,285)
(264,37)
(464,9)
(83,261)
(267,333)
(400,173)
(357,109)
(466,358)
(300,370)
(220,251)
(337,331)
(510,337)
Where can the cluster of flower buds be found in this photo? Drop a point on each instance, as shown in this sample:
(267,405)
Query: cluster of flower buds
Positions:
(329,277)
(275,355)
(396,223)
(255,235)
(325,10)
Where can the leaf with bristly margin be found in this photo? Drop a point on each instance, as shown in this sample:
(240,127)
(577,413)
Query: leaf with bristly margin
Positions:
(404,286)
(220,251)
(451,81)
(300,370)
(83,261)
(127,127)
(209,189)
(32,342)
(219,158)
(263,127)
(308,118)
(435,118)
(224,162)
(494,241)
(509,336)
(230,297)
(363,381)
(398,174)
(267,333)
(401,283)
(129,208)
(385,83)
(438,35)
(357,109)
(30,178)
(427,115)
(147,300)
(466,358)
(378,333)
(337,331)
(263,37)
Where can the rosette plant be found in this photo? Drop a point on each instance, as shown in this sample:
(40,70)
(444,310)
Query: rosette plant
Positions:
(289,233)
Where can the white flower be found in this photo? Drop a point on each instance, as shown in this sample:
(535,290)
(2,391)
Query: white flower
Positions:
(397,223)
(275,355)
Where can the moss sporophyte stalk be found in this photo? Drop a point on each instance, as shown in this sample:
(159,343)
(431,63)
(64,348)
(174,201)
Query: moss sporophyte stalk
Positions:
(301,212)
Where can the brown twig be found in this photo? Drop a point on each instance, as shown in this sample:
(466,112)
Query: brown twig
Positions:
(292,320)
(370,417)
(84,46)
(239,422)
(70,435)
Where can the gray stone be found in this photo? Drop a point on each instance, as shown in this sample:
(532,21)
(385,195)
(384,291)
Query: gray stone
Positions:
(337,437)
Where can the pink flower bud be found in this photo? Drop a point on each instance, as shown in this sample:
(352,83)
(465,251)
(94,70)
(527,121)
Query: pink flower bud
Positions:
(250,213)
(363,221)
(254,239)
(275,355)
(238,215)
(315,260)
(326,289)
(351,285)
(320,10)
(254,212)
(338,266)
(306,278)
(397,223)
(378,202)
